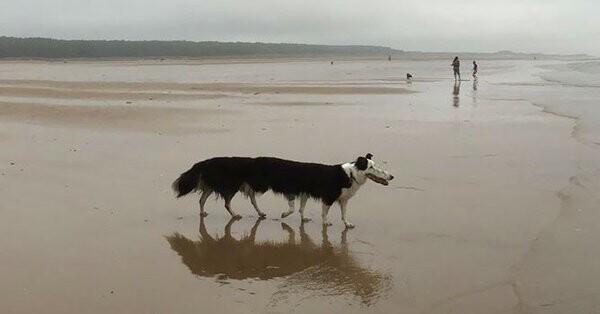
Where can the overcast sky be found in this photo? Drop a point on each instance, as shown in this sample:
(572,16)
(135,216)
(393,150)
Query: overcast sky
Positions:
(551,26)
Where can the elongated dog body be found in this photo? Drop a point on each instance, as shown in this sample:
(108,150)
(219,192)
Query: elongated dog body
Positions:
(226,176)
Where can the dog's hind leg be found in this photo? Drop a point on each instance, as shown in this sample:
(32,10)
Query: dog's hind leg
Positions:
(324,214)
(228,206)
(252,196)
(303,199)
(290,211)
(343,204)
(203,198)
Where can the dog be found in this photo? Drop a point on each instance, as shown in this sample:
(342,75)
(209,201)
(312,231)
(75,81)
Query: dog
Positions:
(226,176)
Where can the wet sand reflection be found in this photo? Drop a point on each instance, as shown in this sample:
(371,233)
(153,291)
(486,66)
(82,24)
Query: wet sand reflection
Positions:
(321,270)
(455,94)
(474,95)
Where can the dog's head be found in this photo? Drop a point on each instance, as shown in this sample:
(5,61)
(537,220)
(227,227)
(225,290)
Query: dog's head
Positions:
(365,168)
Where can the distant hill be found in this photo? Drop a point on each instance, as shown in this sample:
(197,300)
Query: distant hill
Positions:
(500,55)
(47,48)
(12,47)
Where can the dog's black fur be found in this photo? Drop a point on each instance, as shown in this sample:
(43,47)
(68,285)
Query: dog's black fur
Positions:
(227,175)
(323,182)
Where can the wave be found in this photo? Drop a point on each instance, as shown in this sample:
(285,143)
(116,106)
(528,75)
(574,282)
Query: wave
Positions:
(576,74)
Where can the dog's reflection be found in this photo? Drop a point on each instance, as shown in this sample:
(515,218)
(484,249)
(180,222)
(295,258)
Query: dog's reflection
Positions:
(317,269)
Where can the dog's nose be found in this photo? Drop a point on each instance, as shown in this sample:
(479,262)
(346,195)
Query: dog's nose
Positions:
(391,177)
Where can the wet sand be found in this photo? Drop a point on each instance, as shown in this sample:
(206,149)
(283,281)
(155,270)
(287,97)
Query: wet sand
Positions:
(116,117)
(484,204)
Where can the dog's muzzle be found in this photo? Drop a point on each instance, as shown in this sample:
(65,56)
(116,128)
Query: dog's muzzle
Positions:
(379,180)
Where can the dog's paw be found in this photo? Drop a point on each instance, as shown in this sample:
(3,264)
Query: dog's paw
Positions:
(203,214)
(283,215)
(306,219)
(349,225)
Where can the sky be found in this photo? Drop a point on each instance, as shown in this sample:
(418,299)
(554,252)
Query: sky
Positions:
(537,26)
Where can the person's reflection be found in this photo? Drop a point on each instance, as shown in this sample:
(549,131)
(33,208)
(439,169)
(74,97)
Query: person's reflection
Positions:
(455,94)
(317,269)
(475,82)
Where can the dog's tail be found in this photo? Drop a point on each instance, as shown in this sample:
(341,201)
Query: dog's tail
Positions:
(188,181)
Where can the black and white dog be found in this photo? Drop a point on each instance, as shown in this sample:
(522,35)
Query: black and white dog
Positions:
(226,176)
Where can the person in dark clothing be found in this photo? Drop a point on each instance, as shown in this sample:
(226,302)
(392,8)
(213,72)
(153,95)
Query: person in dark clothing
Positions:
(475,66)
(456,68)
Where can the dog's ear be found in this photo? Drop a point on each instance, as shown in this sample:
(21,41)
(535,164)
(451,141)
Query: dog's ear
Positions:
(361,163)
(368,156)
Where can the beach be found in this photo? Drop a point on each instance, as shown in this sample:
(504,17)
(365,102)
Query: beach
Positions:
(493,208)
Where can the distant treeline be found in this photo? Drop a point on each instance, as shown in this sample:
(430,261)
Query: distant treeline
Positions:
(12,47)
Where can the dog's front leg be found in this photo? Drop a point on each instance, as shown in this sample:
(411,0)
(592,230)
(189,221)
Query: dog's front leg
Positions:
(303,199)
(252,196)
(233,214)
(291,206)
(343,204)
(324,214)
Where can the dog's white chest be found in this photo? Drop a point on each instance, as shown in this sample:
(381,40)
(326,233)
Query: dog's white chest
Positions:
(349,192)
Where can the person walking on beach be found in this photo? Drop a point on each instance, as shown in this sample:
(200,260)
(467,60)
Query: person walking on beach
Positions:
(456,67)
(474,69)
